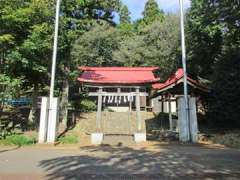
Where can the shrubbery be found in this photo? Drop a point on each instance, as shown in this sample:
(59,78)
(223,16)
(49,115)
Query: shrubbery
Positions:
(87,105)
(19,140)
(68,139)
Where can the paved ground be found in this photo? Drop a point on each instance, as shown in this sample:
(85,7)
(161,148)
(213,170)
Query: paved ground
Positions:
(146,161)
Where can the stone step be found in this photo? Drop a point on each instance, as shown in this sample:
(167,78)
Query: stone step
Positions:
(118,140)
(117,123)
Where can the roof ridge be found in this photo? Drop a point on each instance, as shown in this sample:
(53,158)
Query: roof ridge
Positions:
(87,68)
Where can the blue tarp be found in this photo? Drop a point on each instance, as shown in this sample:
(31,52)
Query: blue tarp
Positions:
(17,102)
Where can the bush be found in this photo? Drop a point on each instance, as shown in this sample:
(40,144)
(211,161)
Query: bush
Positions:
(69,139)
(19,140)
(87,105)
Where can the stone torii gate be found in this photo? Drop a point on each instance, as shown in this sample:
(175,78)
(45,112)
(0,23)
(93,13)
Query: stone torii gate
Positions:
(109,82)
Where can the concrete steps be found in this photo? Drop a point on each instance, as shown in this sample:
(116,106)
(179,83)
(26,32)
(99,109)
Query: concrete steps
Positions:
(117,129)
(118,140)
(117,123)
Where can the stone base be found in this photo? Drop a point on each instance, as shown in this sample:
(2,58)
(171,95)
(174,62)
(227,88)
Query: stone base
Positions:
(140,137)
(96,138)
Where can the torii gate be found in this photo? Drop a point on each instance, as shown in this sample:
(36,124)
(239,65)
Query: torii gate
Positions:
(103,79)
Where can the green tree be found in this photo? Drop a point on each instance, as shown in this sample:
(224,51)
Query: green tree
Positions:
(225,100)
(125,27)
(28,26)
(26,36)
(152,12)
(214,43)
(78,17)
(96,46)
(204,34)
(9,88)
(157,45)
(124,15)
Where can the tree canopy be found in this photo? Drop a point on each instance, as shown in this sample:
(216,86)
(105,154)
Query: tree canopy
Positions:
(152,12)
(214,44)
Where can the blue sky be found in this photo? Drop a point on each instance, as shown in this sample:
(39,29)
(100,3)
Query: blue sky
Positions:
(136,6)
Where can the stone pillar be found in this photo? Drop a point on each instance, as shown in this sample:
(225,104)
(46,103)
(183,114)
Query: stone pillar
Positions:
(138,110)
(193,120)
(53,120)
(139,136)
(170,114)
(130,105)
(97,138)
(42,133)
(183,123)
(99,110)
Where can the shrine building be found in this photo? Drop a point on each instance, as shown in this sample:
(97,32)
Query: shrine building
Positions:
(126,89)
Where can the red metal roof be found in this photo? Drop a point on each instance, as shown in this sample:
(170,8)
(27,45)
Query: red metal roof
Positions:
(118,75)
(176,79)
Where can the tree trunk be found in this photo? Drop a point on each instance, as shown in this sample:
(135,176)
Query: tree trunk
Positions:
(32,118)
(65,88)
(64,102)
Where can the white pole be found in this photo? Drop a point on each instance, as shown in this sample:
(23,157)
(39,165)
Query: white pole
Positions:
(54,57)
(186,108)
(53,102)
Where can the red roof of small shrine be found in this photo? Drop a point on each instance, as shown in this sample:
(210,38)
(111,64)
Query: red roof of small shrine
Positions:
(176,79)
(118,75)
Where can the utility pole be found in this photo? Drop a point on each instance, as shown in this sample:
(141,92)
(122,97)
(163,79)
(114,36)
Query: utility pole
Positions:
(186,108)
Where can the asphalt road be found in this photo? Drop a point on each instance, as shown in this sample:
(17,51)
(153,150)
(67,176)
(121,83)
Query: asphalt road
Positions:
(147,161)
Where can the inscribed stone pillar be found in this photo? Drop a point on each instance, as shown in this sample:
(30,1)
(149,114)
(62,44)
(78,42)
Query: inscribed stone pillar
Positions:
(183,123)
(193,120)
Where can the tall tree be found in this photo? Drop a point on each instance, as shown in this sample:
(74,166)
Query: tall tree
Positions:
(125,27)
(28,26)
(152,12)
(78,16)
(157,45)
(204,34)
(224,104)
(214,43)
(124,15)
(96,46)
(26,36)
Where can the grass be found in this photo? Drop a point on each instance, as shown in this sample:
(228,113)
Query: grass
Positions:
(68,139)
(18,139)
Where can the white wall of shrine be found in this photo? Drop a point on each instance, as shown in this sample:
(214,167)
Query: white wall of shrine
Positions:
(118,103)
(160,105)
(118,109)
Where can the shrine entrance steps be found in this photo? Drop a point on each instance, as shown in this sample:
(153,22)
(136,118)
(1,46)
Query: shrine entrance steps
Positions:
(118,140)
(118,128)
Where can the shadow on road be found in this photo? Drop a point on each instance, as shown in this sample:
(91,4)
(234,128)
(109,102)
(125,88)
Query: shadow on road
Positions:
(109,162)
(10,149)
